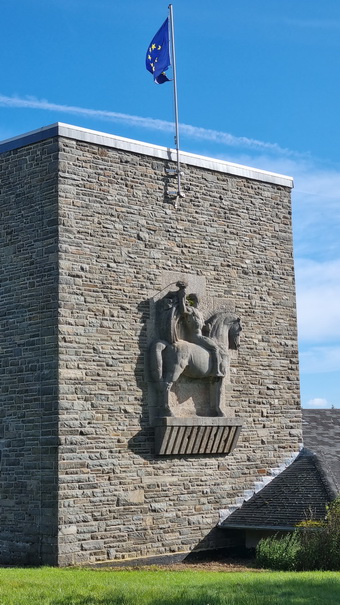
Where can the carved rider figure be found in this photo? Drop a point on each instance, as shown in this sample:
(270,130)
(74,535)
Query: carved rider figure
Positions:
(194,323)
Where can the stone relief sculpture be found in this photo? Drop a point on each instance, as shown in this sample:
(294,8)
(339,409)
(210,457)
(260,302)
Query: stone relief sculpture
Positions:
(190,346)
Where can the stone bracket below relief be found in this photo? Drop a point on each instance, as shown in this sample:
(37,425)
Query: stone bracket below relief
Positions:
(196,435)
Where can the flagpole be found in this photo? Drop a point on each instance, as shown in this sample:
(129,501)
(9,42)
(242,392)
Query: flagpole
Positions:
(179,192)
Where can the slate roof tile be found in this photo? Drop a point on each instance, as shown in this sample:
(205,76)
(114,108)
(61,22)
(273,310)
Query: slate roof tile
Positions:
(302,490)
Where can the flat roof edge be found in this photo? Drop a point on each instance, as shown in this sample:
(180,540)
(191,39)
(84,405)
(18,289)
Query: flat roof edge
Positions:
(156,151)
(34,136)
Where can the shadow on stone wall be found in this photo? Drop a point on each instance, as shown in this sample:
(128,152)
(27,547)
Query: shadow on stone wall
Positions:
(142,443)
(217,544)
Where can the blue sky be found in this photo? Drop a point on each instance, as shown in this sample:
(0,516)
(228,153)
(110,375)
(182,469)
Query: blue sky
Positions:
(258,84)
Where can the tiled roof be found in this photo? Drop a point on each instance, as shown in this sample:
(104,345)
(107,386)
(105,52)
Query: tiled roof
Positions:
(296,494)
(303,489)
(321,434)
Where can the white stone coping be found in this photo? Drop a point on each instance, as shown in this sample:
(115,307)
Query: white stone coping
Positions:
(155,151)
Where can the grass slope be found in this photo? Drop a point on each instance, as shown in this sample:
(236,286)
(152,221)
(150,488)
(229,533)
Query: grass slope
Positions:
(46,586)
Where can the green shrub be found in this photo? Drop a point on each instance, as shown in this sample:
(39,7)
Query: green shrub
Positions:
(320,541)
(281,553)
(315,545)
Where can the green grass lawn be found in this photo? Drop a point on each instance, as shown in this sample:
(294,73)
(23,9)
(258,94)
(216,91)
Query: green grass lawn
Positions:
(52,586)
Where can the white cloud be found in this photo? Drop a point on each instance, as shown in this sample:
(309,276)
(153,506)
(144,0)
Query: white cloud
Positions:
(313,178)
(110,116)
(320,360)
(318,296)
(194,132)
(318,402)
(205,134)
(316,205)
(317,183)
(323,274)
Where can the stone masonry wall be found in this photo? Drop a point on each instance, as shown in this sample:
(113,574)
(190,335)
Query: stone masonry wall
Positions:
(28,354)
(118,238)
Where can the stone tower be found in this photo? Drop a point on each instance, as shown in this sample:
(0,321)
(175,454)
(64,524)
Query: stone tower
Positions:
(90,240)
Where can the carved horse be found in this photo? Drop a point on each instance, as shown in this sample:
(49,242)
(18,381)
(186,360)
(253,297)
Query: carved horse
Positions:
(169,361)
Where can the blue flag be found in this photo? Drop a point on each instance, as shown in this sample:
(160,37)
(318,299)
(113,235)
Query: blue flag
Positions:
(158,55)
